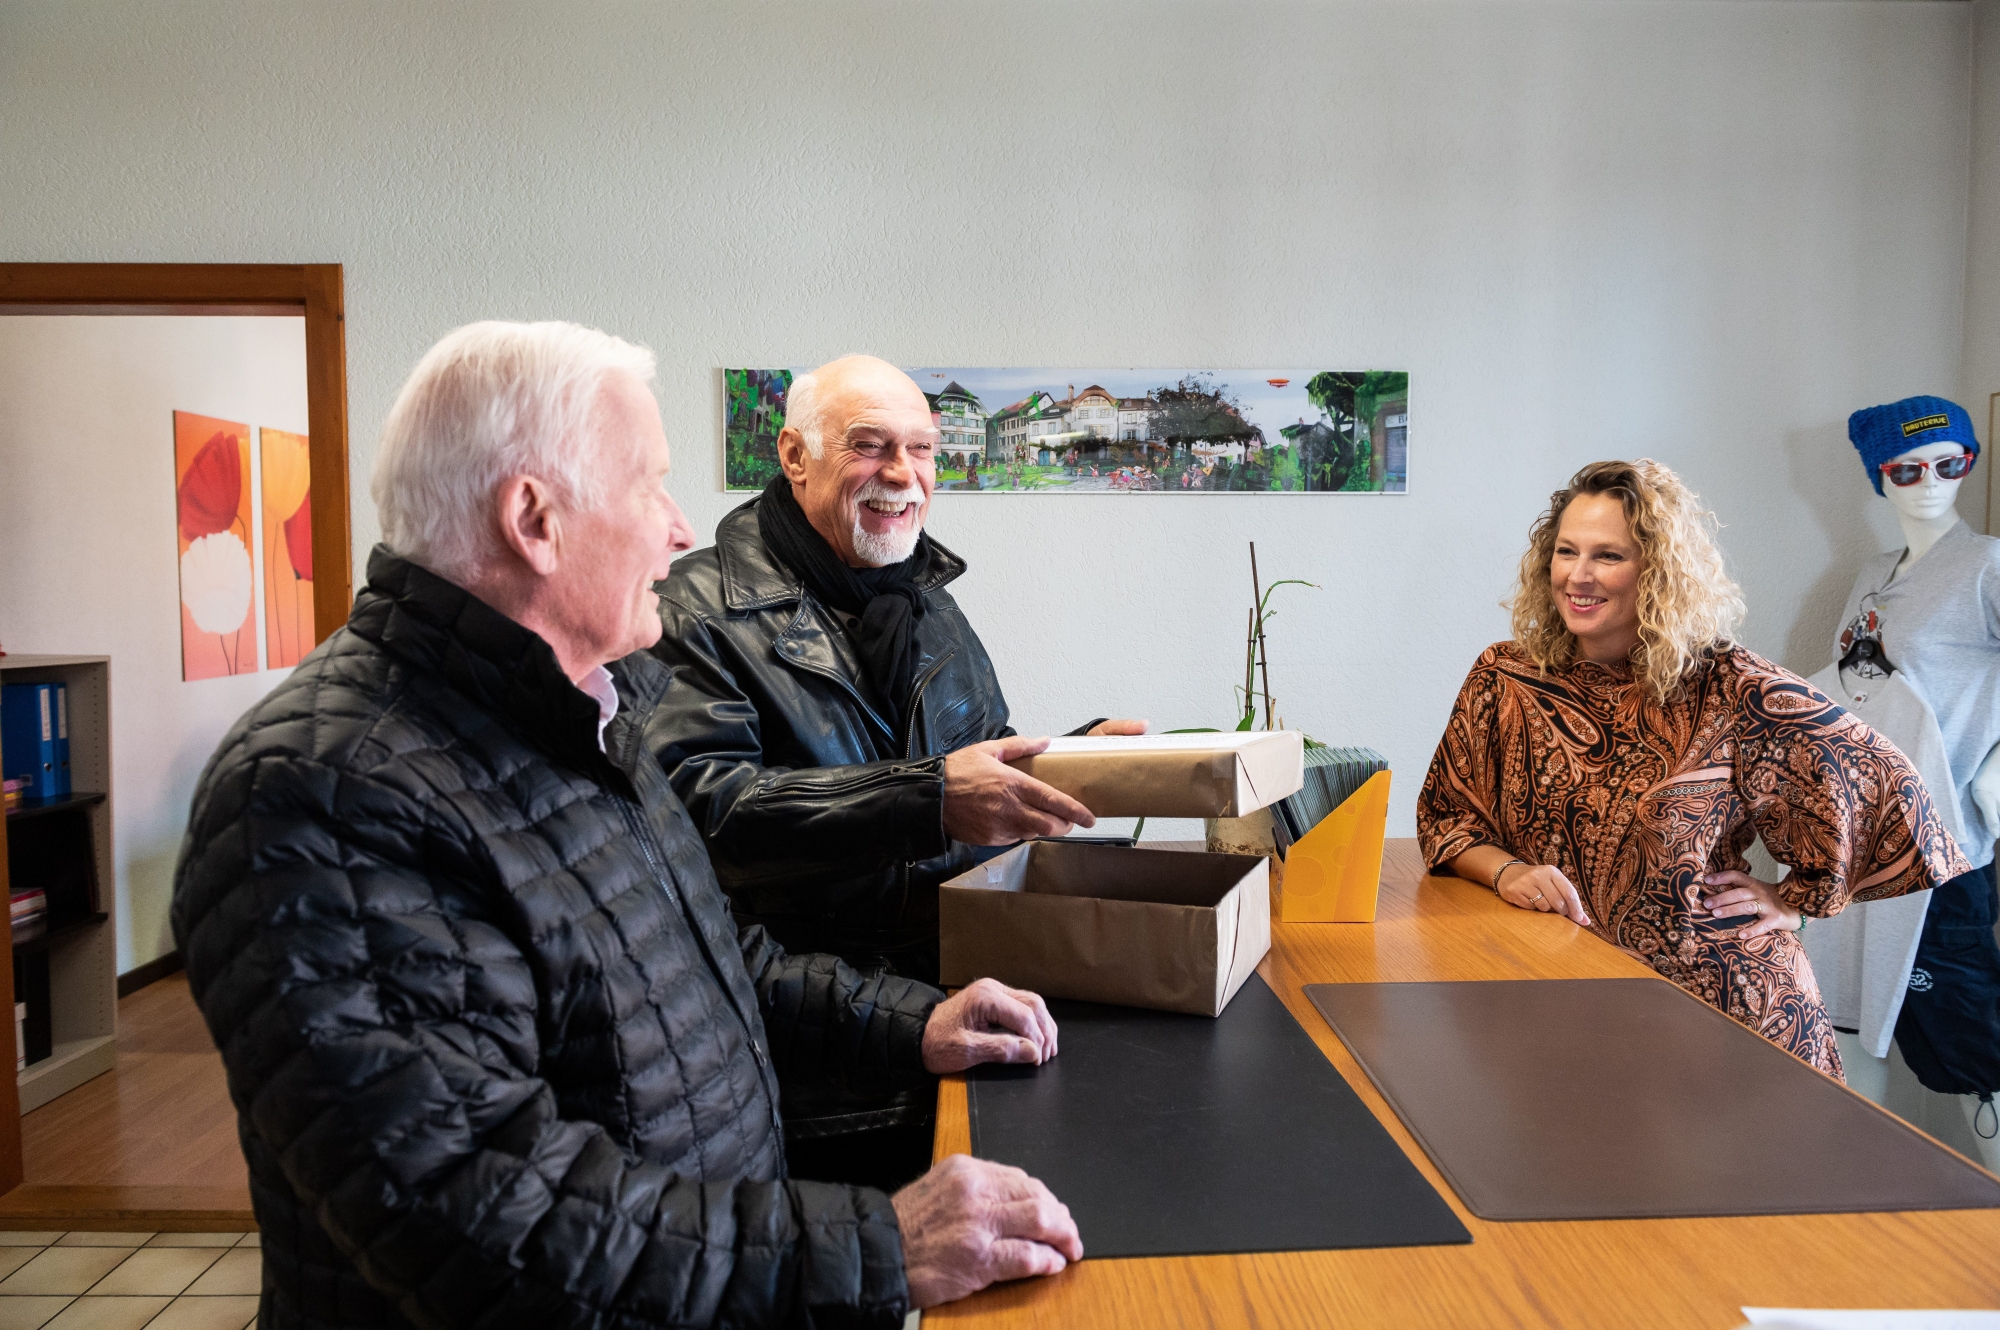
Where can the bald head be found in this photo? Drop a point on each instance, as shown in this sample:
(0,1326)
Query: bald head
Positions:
(844,389)
(860,449)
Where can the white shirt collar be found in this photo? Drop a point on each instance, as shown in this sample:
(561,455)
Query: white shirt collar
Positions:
(602,691)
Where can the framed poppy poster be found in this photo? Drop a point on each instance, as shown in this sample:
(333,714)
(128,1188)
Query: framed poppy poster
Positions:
(288,559)
(212,503)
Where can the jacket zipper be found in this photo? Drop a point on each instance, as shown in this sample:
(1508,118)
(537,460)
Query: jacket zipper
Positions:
(917,702)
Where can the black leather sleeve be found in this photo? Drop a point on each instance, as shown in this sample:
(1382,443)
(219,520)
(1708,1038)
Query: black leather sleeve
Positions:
(384,1049)
(773,823)
(825,1017)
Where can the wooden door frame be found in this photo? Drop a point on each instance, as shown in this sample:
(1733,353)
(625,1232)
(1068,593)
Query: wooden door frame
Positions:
(312,289)
(11,1166)
(1992,491)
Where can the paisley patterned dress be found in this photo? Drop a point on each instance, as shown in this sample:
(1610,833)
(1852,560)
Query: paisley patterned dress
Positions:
(1636,800)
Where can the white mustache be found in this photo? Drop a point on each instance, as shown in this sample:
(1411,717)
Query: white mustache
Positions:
(877,491)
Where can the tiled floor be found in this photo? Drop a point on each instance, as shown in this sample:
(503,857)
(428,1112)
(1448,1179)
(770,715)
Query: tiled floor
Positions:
(125,1281)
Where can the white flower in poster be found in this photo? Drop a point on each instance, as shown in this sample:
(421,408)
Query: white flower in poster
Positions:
(215,582)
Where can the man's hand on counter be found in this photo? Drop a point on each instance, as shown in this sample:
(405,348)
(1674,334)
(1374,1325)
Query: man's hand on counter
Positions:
(968,1223)
(986,1021)
(987,802)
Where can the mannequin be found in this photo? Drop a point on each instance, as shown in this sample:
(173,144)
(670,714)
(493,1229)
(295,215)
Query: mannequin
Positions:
(1918,658)
(1927,513)
(1927,509)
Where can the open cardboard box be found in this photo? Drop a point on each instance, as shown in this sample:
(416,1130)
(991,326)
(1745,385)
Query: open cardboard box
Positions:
(1173,775)
(1166,929)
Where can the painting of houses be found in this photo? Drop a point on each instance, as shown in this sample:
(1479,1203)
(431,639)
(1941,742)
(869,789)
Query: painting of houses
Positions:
(1062,431)
(960,418)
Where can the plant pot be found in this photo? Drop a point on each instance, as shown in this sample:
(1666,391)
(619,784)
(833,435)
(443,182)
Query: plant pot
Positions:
(1252,833)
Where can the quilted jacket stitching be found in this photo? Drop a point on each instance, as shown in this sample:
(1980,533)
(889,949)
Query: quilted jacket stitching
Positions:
(457,947)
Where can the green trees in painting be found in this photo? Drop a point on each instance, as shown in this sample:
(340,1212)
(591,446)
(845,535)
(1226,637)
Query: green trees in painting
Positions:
(1205,427)
(755,409)
(1341,452)
(1194,410)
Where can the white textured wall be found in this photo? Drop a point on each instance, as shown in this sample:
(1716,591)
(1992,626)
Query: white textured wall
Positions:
(87,538)
(1704,232)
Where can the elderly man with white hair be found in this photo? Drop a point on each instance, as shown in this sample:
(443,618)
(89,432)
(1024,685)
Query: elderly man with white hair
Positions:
(499,1053)
(838,733)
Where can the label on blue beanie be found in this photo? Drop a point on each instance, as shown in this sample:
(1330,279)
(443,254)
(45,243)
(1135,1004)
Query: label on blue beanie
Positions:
(1922,423)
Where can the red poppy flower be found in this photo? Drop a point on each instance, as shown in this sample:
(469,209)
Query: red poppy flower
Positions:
(212,488)
(299,538)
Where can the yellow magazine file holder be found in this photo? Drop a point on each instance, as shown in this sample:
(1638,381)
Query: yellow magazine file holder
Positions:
(1334,871)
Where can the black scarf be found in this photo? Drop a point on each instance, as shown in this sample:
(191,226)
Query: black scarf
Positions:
(885,600)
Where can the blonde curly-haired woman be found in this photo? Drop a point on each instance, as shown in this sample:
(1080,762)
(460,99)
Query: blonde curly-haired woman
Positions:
(1614,760)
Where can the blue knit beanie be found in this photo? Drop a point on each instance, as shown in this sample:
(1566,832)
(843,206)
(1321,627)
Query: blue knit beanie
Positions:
(1883,432)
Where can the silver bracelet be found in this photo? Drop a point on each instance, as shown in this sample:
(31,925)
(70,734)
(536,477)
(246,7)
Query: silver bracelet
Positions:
(1503,868)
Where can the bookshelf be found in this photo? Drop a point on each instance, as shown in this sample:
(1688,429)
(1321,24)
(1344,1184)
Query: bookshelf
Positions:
(66,967)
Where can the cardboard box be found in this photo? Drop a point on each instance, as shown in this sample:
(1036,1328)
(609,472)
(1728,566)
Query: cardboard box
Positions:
(1167,929)
(1173,775)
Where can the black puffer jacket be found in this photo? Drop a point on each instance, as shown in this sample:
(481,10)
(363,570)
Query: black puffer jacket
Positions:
(824,823)
(500,1055)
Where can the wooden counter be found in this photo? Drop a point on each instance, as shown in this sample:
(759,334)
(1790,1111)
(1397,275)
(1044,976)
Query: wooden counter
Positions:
(1632,1272)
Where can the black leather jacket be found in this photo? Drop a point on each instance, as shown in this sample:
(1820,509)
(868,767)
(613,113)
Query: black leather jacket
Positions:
(499,1054)
(824,823)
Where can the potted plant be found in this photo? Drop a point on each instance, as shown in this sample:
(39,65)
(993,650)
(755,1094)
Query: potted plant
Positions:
(1257,832)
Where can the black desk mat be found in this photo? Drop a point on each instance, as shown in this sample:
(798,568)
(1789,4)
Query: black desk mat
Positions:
(1172,1135)
(1628,1099)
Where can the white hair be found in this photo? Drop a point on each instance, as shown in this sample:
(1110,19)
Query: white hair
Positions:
(489,401)
(804,413)
(883,550)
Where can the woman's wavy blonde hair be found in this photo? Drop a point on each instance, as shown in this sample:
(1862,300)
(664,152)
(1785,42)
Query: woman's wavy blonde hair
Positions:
(1687,602)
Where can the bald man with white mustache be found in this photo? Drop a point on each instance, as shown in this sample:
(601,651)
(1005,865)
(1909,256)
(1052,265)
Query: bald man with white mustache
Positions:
(837,730)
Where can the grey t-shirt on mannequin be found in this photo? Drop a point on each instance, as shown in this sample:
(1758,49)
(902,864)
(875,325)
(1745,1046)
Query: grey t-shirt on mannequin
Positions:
(1940,624)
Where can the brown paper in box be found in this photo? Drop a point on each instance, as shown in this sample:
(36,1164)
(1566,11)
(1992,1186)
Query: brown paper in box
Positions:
(1173,775)
(1165,929)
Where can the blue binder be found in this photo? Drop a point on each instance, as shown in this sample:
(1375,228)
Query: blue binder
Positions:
(28,736)
(62,738)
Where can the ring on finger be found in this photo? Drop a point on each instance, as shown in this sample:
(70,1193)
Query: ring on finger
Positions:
(1537,900)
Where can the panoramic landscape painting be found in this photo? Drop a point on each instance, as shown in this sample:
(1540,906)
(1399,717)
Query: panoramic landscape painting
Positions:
(1080,431)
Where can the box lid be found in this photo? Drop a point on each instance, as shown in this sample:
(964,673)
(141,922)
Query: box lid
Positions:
(1225,774)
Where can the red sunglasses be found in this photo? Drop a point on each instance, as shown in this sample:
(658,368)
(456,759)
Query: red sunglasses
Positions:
(1909,473)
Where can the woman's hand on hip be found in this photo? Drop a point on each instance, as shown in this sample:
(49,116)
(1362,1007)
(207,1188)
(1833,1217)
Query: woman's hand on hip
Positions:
(1756,903)
(1542,887)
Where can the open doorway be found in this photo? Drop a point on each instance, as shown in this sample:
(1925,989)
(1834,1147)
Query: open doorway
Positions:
(173,537)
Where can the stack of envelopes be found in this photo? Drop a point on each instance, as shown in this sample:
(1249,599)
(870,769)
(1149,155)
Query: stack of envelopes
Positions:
(1332,775)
